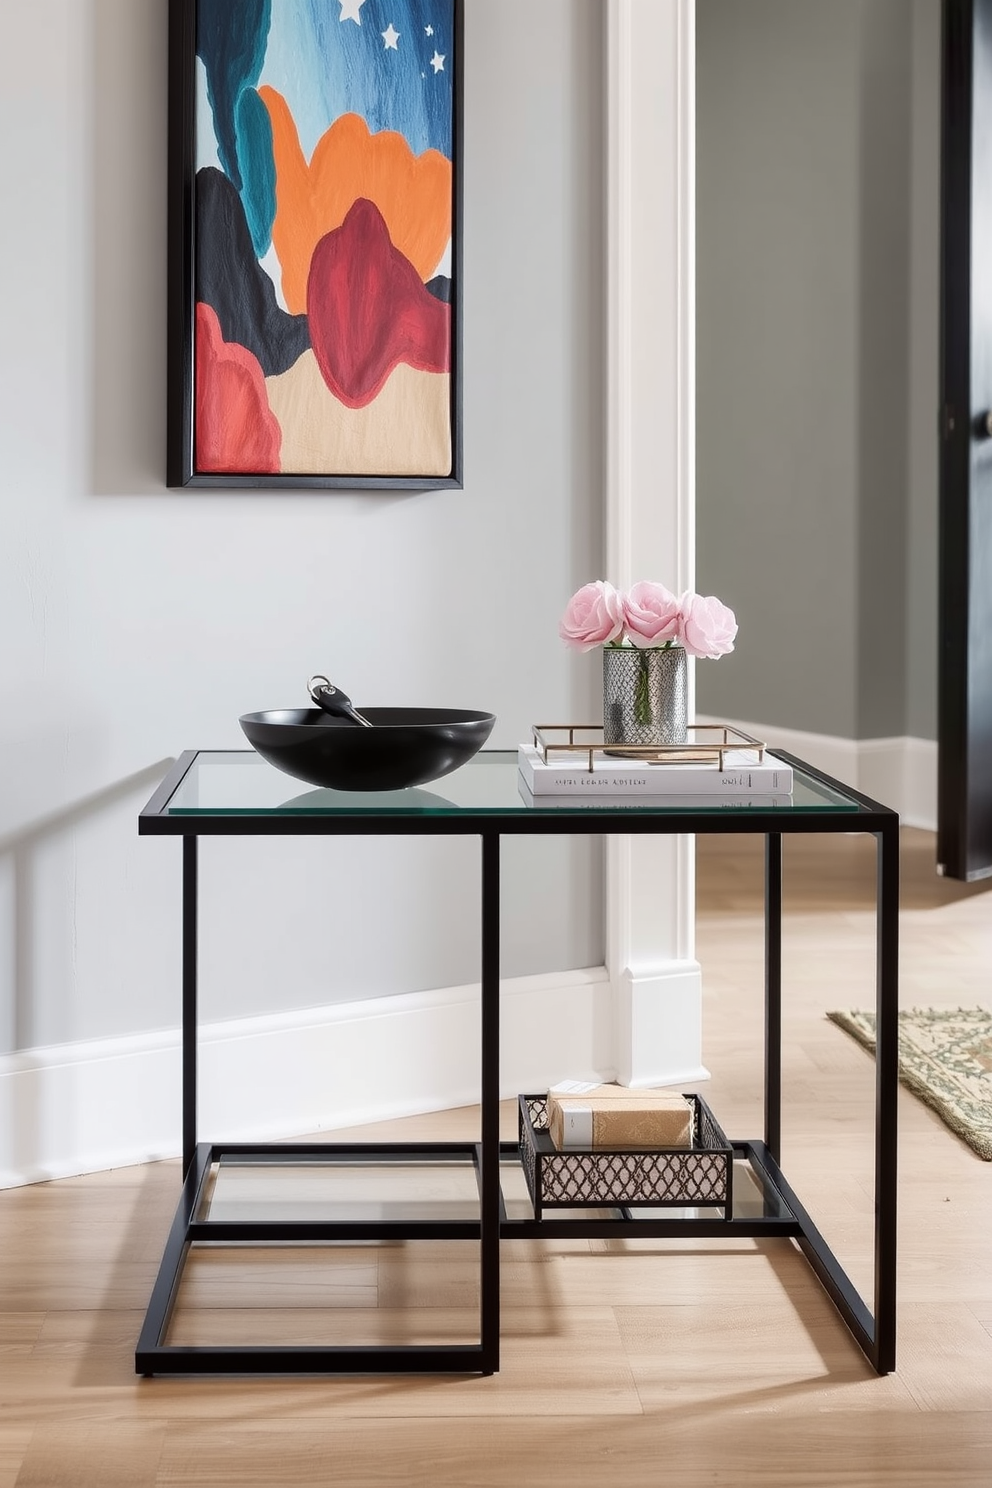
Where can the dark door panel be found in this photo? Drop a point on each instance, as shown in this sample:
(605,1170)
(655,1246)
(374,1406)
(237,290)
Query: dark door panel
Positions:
(964,803)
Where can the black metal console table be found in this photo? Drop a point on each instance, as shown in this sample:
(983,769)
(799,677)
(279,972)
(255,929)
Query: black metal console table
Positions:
(237,794)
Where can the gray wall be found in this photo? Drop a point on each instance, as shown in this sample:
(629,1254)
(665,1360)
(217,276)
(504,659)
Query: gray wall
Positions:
(137,623)
(817,284)
(924,375)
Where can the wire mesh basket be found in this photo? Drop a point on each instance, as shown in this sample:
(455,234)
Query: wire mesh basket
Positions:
(697,1176)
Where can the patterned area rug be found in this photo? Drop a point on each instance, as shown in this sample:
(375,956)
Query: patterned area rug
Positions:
(946,1059)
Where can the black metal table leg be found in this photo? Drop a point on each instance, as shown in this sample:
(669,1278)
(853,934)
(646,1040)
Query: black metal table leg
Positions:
(886,1094)
(151,1350)
(773,994)
(189,1001)
(490,1197)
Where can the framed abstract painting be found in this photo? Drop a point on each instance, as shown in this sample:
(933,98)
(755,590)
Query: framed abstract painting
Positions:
(315,244)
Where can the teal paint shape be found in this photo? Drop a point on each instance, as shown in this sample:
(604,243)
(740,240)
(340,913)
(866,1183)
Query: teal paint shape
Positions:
(257,167)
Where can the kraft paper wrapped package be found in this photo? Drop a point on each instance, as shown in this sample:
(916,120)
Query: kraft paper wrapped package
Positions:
(613,1118)
(573,1088)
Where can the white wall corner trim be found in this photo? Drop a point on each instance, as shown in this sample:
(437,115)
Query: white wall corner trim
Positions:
(650,516)
(115,1102)
(899,772)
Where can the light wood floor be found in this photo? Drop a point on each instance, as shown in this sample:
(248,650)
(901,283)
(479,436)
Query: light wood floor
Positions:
(623,1362)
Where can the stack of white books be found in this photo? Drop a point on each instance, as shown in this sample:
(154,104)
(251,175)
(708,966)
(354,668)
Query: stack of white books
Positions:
(747,777)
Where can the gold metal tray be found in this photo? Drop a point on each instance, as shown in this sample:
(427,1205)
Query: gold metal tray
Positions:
(554,740)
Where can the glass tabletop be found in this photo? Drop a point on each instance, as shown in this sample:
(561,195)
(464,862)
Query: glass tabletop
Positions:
(241,783)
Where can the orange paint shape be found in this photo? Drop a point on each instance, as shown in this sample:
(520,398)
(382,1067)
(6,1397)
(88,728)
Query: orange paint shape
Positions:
(413,193)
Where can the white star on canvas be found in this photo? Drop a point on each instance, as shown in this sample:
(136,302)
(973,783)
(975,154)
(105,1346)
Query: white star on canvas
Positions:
(437,62)
(350,9)
(391,37)
(428,30)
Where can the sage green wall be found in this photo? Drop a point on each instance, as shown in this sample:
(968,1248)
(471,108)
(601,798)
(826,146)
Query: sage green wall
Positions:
(817,139)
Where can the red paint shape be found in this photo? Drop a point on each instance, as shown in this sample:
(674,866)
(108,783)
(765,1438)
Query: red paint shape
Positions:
(368,310)
(236,429)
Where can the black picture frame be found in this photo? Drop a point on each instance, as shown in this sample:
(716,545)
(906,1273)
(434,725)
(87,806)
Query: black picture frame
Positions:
(186,222)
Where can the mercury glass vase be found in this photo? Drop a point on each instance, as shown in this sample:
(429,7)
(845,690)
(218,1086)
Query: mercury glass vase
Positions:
(645,695)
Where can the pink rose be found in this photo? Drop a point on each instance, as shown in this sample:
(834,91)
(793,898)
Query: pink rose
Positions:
(651,614)
(708,627)
(593,616)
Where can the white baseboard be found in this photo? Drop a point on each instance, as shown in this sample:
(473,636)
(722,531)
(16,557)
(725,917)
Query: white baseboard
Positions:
(111,1103)
(658,1018)
(899,772)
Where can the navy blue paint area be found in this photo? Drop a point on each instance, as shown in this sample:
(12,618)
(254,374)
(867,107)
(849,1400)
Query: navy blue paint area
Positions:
(440,288)
(229,279)
(410,96)
(230,41)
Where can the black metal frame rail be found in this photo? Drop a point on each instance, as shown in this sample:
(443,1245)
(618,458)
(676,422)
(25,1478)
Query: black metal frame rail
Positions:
(873,1328)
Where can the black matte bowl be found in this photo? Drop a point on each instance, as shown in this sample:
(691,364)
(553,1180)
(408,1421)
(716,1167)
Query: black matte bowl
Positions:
(404,746)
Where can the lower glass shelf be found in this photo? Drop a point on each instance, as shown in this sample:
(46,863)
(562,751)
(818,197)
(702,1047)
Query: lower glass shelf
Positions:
(294,1192)
(273,1189)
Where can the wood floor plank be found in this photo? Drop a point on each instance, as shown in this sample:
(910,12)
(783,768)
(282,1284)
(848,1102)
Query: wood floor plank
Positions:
(328,1327)
(653,1272)
(19,1331)
(690,1447)
(945,1357)
(759,1355)
(208,1456)
(82,1455)
(542,1373)
(14,1442)
(83,1334)
(270,1276)
(43,1286)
